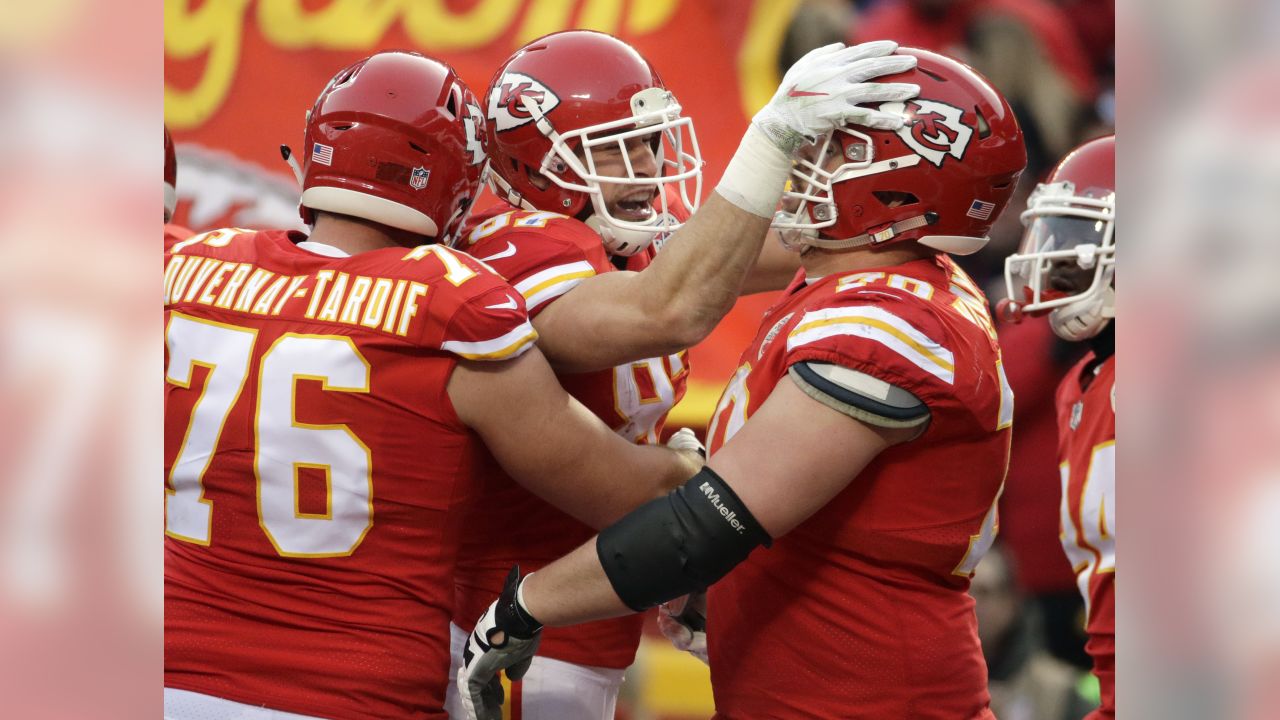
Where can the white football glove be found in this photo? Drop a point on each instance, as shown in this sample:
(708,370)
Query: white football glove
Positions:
(825,89)
(684,439)
(684,622)
(505,638)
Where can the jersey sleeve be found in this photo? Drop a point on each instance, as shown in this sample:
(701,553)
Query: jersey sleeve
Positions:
(884,335)
(481,317)
(489,326)
(542,255)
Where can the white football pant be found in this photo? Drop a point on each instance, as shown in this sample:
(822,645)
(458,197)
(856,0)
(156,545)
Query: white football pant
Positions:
(185,705)
(550,690)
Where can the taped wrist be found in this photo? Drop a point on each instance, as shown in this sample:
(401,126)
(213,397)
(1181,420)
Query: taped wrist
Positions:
(756,175)
(680,543)
(510,614)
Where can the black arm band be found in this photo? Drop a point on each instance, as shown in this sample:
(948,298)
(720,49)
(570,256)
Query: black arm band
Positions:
(679,543)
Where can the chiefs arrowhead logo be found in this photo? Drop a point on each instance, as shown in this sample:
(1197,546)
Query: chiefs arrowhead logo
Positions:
(507,100)
(933,130)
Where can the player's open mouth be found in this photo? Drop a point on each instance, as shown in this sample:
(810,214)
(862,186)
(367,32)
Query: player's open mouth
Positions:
(636,208)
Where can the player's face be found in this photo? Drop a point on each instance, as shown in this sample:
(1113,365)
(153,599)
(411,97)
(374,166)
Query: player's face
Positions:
(633,203)
(1064,233)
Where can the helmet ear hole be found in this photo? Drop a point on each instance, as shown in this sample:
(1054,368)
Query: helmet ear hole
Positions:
(894,198)
(451,103)
(984,128)
(1003,182)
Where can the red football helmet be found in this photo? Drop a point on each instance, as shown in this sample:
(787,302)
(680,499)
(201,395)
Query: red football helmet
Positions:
(170,177)
(396,138)
(1071,220)
(941,180)
(561,98)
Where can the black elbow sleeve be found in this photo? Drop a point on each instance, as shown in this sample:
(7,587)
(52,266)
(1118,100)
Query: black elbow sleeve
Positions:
(680,543)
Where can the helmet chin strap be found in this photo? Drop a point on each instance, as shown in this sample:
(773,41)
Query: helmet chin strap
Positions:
(501,188)
(1084,318)
(798,240)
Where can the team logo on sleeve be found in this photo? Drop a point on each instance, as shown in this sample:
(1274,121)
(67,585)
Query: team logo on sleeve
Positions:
(507,101)
(773,333)
(933,130)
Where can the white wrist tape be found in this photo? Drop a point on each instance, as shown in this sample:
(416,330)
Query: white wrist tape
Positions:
(756,175)
(520,595)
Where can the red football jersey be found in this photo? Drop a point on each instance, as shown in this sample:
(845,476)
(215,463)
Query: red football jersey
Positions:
(1087,457)
(313,463)
(862,611)
(545,255)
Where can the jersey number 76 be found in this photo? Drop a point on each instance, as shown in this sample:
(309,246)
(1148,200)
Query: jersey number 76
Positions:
(282,445)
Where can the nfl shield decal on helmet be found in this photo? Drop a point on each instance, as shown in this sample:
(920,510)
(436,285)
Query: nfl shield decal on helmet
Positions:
(933,129)
(418,179)
(508,100)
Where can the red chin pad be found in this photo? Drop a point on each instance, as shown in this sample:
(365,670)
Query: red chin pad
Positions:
(1046,295)
(1009,311)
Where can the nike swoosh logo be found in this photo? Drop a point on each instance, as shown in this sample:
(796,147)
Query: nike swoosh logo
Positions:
(511,250)
(793,92)
(510,304)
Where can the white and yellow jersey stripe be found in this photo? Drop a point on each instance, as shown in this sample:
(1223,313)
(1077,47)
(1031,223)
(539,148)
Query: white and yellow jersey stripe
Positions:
(553,282)
(873,323)
(507,346)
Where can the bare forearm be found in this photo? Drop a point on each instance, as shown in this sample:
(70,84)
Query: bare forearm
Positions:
(553,446)
(700,271)
(678,300)
(572,590)
(626,479)
(774,269)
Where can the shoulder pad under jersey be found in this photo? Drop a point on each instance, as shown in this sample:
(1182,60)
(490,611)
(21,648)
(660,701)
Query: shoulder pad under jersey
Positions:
(859,395)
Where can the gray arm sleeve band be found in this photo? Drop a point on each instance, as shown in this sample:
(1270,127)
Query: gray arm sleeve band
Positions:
(860,395)
(679,543)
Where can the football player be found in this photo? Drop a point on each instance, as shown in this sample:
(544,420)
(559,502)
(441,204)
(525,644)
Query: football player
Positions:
(863,441)
(596,164)
(172,233)
(1066,268)
(326,396)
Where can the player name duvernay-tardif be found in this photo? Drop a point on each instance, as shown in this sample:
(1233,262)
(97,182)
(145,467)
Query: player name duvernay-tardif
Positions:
(377,303)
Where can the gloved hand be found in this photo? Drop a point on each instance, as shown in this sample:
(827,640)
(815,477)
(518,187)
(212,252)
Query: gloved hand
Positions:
(505,638)
(826,89)
(684,439)
(684,622)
